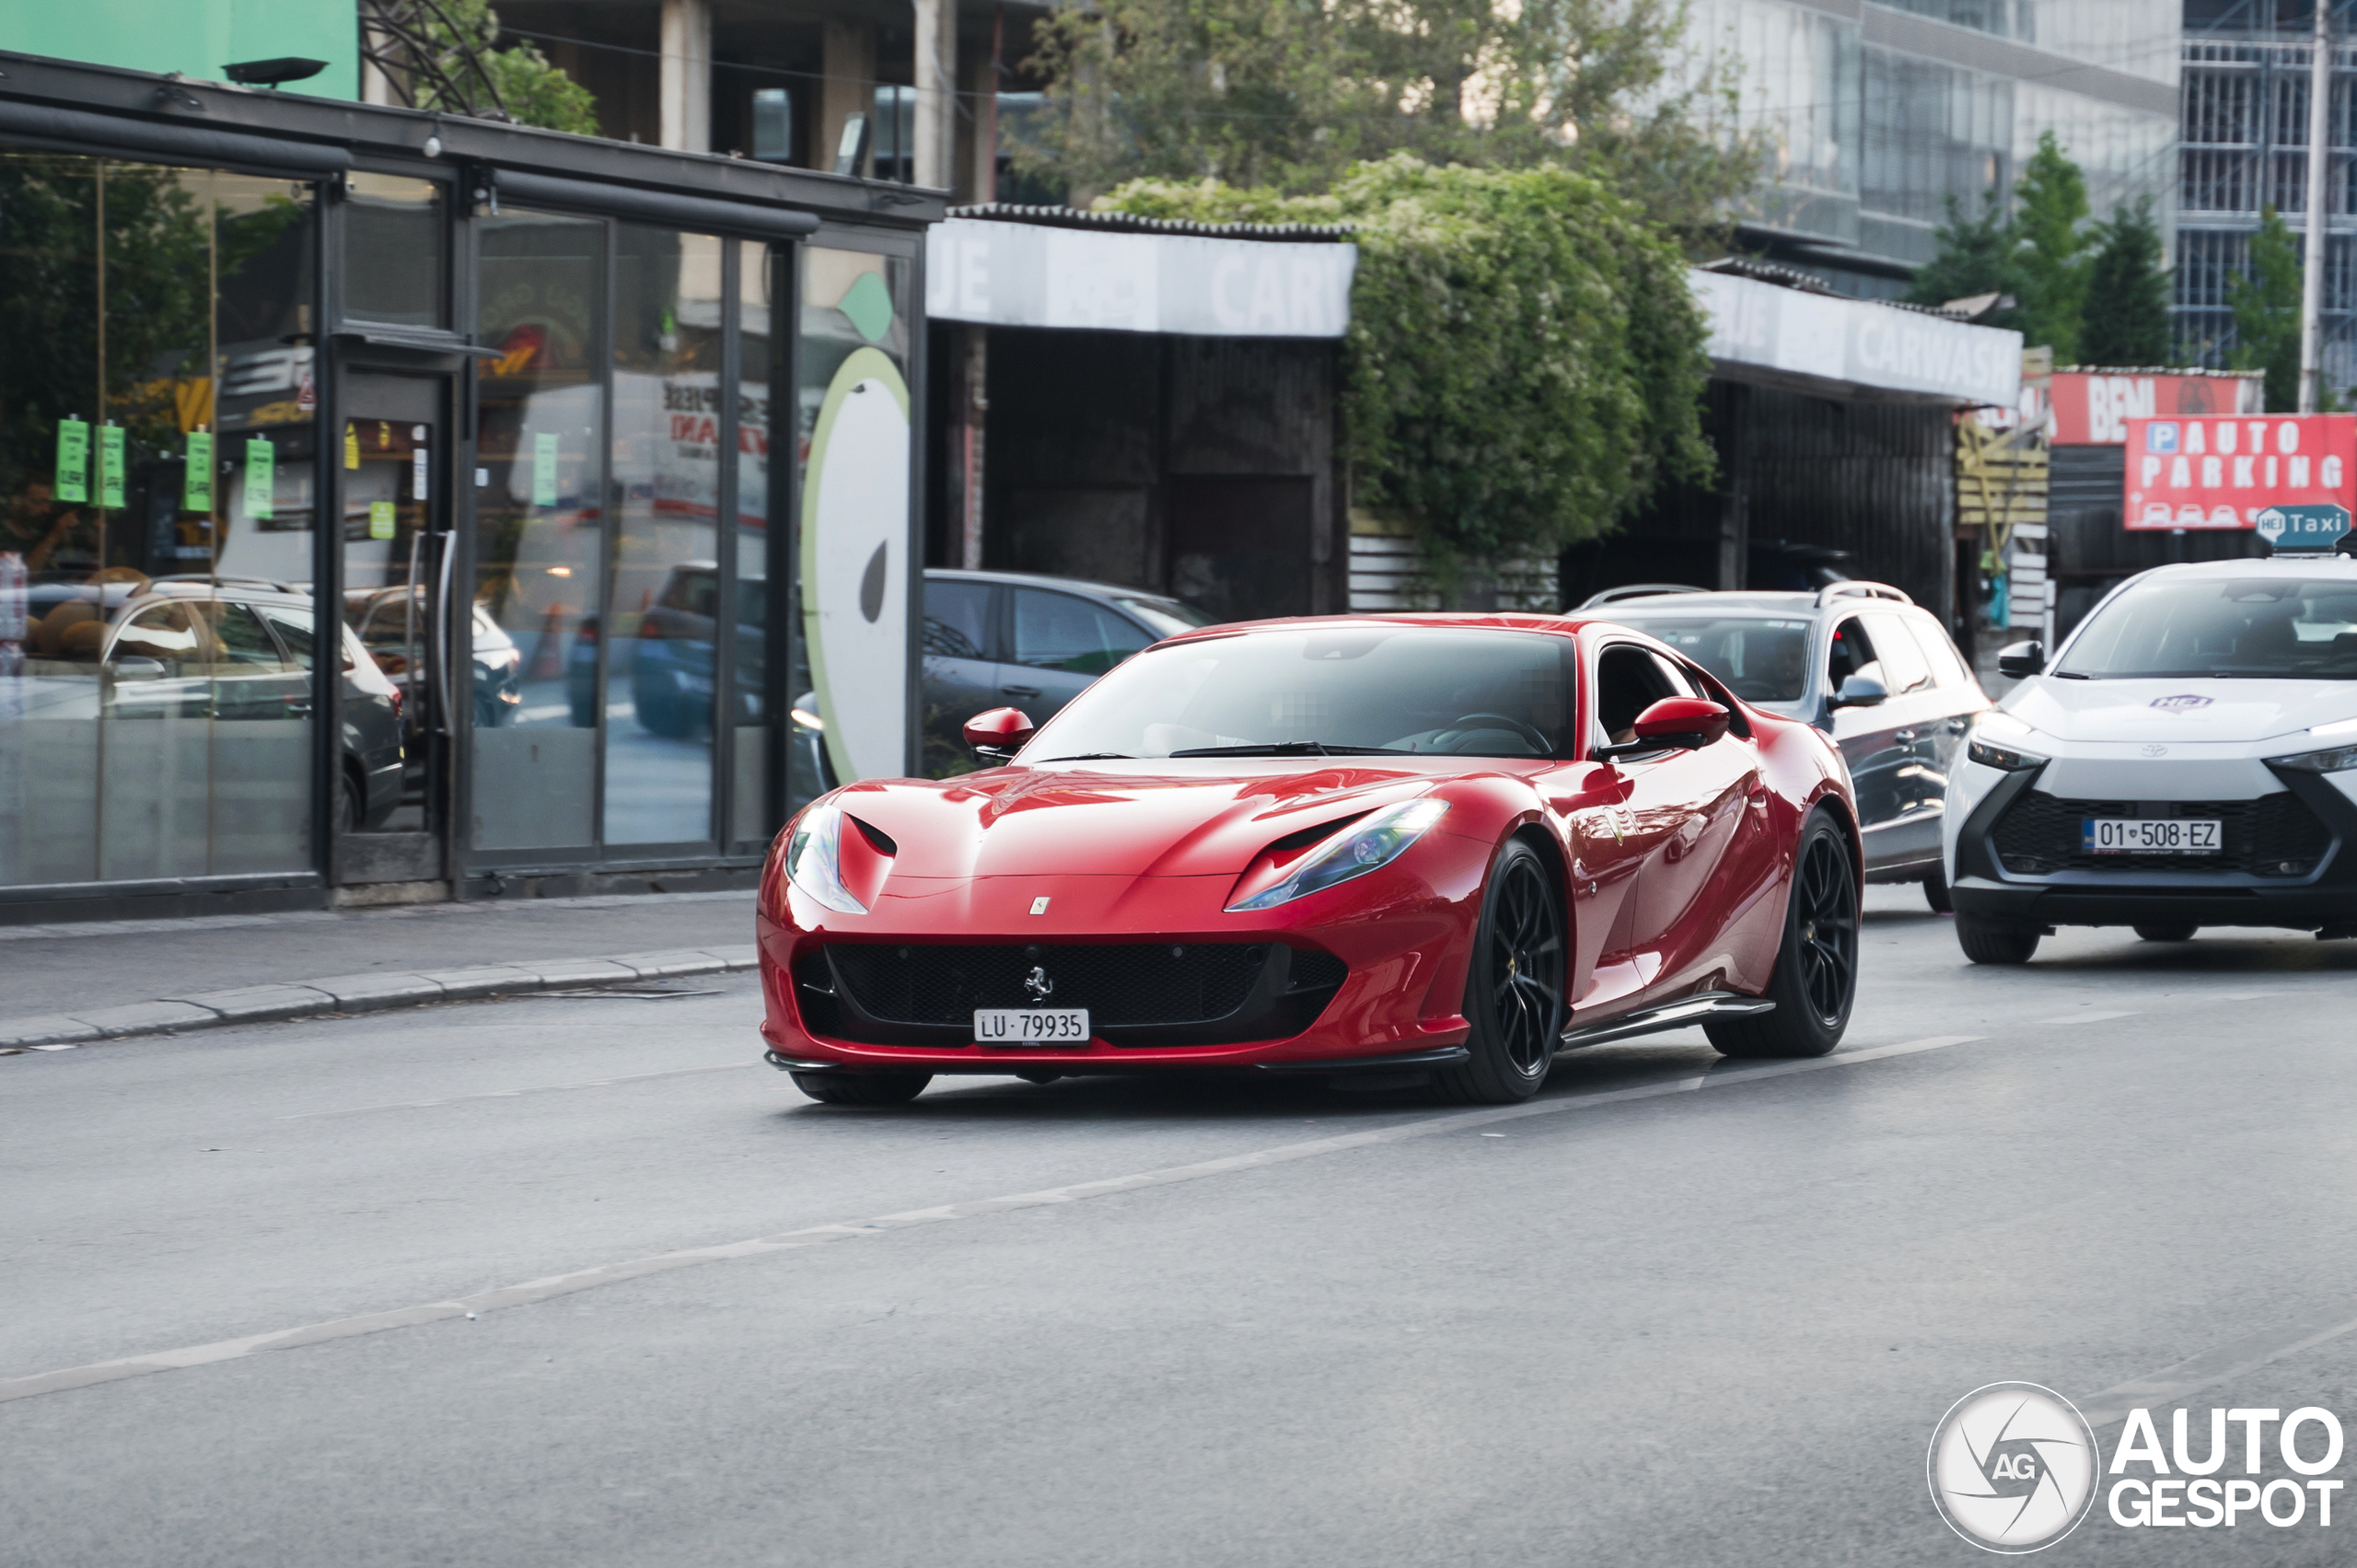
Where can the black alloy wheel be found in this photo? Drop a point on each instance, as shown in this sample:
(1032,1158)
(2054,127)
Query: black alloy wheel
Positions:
(1815,979)
(1514,993)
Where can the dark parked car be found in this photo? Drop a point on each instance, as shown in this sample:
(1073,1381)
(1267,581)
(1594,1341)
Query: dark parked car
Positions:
(231,651)
(392,623)
(1007,639)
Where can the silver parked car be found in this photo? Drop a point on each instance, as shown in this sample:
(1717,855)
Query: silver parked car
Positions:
(1859,660)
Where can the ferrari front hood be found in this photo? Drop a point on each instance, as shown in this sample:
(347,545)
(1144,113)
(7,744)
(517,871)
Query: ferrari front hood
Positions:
(2165,711)
(1031,821)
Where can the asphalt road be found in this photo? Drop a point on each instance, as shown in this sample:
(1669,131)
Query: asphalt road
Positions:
(1680,1313)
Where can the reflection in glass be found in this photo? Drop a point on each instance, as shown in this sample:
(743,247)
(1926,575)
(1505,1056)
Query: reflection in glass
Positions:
(156,396)
(538,527)
(661,618)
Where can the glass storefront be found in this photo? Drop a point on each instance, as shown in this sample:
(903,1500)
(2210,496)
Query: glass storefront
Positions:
(157,394)
(365,529)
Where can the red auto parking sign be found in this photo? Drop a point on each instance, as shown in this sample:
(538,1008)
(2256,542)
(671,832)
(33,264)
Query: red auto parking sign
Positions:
(2222,472)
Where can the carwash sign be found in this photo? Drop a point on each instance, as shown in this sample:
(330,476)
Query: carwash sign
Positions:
(2223,472)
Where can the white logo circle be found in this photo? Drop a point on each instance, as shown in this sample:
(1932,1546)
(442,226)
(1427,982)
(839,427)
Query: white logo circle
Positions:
(2012,1467)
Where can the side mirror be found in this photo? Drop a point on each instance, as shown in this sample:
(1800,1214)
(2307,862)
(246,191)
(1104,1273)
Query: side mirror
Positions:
(136,667)
(998,735)
(1673,724)
(1860,692)
(2022,660)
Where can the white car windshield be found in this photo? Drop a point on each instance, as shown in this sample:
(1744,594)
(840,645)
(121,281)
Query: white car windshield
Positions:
(2252,628)
(1762,658)
(1350,690)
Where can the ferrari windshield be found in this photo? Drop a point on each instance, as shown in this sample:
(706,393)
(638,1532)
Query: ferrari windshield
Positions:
(1762,659)
(1311,691)
(2280,628)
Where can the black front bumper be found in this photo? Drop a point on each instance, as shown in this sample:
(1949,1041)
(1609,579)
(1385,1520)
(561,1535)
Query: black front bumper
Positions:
(1983,890)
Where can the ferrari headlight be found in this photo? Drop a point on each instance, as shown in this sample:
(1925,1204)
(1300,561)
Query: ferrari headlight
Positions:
(2003,758)
(2329,762)
(814,859)
(1368,845)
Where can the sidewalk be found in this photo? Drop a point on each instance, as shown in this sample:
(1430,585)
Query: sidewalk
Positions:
(62,984)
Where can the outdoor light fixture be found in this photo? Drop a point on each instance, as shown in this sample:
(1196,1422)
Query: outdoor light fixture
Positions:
(274,73)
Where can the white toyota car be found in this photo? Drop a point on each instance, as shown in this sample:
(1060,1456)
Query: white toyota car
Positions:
(2188,757)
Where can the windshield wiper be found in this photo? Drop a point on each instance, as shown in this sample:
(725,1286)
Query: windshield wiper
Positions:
(1093,756)
(1291,748)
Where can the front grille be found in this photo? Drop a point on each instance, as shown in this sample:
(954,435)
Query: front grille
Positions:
(2275,835)
(925,993)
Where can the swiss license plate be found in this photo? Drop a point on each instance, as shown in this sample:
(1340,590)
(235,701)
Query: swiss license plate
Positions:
(2148,835)
(1031,1025)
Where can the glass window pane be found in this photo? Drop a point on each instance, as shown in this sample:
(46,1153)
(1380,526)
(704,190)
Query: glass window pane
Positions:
(151,318)
(539,526)
(1903,666)
(393,265)
(957,622)
(1055,631)
(662,580)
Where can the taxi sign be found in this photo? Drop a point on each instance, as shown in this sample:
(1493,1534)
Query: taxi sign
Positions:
(2296,531)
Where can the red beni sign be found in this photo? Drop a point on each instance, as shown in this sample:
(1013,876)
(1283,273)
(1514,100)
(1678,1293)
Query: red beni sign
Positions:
(2093,408)
(2221,473)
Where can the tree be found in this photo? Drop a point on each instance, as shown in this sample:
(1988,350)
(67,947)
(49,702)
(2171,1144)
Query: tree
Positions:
(2050,205)
(1290,94)
(2127,316)
(1525,356)
(2265,299)
(439,55)
(1973,256)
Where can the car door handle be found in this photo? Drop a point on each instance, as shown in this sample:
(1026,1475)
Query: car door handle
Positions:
(1019,690)
(1903,734)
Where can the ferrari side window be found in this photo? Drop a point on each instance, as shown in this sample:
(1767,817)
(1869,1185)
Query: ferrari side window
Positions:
(1629,679)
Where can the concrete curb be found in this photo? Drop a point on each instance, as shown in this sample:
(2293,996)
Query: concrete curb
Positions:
(359,994)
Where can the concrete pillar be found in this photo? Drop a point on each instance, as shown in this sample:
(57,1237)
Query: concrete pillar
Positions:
(977,128)
(936,81)
(847,59)
(969,422)
(687,75)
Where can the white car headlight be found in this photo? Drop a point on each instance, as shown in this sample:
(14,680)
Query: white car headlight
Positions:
(1370,842)
(2333,760)
(814,859)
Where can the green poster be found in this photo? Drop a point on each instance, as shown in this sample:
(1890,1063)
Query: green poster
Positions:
(544,469)
(381,519)
(73,460)
(196,492)
(111,465)
(261,477)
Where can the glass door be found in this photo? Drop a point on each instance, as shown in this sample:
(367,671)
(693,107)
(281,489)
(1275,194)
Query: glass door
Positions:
(390,800)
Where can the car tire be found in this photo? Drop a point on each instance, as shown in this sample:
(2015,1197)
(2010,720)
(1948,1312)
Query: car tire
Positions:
(1935,891)
(1986,942)
(1814,983)
(862,1089)
(1515,988)
(348,812)
(2178,931)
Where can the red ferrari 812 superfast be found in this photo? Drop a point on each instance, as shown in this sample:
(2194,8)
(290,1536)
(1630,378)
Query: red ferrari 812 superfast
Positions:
(1447,844)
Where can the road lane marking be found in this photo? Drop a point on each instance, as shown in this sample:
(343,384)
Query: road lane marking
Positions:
(511,1094)
(531,1291)
(2078,1019)
(2214,1366)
